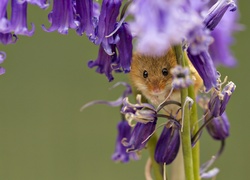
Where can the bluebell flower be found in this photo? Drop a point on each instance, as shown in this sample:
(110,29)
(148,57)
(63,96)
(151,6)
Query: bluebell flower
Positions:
(139,112)
(217,11)
(106,25)
(219,127)
(62,17)
(18,20)
(204,65)
(2,58)
(140,136)
(104,62)
(223,38)
(168,144)
(181,77)
(124,46)
(40,3)
(87,13)
(146,117)
(159,24)
(4,22)
(121,154)
(219,99)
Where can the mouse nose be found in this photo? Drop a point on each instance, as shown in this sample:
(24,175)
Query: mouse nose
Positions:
(156,89)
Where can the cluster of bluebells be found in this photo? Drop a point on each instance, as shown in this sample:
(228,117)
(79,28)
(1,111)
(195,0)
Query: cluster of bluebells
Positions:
(146,117)
(205,28)
(156,26)
(83,16)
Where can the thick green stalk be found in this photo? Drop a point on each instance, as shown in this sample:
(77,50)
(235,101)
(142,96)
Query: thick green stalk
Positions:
(157,168)
(194,127)
(185,135)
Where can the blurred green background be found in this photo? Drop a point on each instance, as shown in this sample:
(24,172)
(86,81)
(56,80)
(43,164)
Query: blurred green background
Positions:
(44,136)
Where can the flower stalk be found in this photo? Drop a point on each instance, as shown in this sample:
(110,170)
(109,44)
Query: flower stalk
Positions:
(185,134)
(194,127)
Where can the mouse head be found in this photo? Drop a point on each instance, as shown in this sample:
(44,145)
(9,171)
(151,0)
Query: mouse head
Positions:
(151,74)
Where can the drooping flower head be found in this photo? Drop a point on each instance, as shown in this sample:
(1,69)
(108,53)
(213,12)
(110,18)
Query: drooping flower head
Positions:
(140,136)
(219,127)
(61,17)
(120,59)
(104,62)
(223,39)
(87,13)
(18,20)
(106,25)
(168,144)
(121,154)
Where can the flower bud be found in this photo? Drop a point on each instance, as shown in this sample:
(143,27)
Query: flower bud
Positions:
(168,144)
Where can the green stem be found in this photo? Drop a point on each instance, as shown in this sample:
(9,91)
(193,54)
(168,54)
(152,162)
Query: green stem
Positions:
(195,126)
(185,135)
(157,168)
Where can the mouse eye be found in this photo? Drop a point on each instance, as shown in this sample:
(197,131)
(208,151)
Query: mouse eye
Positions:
(145,74)
(164,71)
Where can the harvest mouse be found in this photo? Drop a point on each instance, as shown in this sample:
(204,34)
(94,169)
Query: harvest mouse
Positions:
(151,76)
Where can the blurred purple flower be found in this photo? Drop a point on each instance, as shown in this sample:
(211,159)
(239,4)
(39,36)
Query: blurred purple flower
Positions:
(18,21)
(2,58)
(120,154)
(160,23)
(223,38)
(181,77)
(168,144)
(61,17)
(217,11)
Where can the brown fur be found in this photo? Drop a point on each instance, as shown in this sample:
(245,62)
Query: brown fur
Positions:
(156,81)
